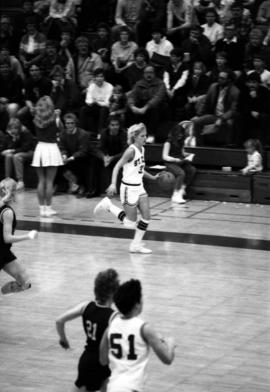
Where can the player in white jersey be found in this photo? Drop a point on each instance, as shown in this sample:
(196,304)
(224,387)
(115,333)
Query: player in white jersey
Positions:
(127,342)
(132,192)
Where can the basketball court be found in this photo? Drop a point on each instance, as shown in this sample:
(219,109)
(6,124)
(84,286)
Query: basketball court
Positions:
(206,284)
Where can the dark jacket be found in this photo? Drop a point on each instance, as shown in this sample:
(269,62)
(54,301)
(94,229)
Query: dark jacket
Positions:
(25,142)
(113,145)
(260,104)
(11,88)
(196,88)
(151,93)
(199,52)
(234,50)
(230,101)
(67,97)
(35,89)
(76,145)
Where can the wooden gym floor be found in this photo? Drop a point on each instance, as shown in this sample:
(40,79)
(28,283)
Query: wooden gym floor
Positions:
(206,284)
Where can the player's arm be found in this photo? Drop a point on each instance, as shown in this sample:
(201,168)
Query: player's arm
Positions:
(104,349)
(70,314)
(149,176)
(9,238)
(126,157)
(164,349)
(166,154)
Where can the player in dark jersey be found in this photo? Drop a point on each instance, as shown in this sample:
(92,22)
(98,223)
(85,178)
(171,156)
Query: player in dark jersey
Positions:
(8,260)
(92,376)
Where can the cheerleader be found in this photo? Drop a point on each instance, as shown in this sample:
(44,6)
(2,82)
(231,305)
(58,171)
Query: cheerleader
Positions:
(95,315)
(132,193)
(47,156)
(8,261)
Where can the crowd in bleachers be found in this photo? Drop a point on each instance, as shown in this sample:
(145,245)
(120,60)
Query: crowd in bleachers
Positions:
(107,64)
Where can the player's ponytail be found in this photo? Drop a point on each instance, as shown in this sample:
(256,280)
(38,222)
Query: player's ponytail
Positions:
(134,131)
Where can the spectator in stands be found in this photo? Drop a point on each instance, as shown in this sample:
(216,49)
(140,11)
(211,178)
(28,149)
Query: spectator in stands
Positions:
(19,150)
(255,47)
(180,17)
(52,58)
(122,52)
(211,29)
(47,157)
(86,62)
(254,151)
(126,14)
(254,109)
(148,102)
(4,116)
(7,38)
(135,71)
(102,44)
(65,93)
(176,163)
(197,47)
(94,114)
(10,84)
(159,48)
(16,67)
(239,17)
(219,108)
(73,144)
(112,144)
(35,86)
(152,13)
(66,52)
(196,88)
(263,15)
(118,102)
(221,64)
(232,46)
(32,45)
(259,68)
(175,77)
(62,13)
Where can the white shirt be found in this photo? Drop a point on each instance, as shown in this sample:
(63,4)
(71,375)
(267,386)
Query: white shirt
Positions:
(255,162)
(164,48)
(133,171)
(213,33)
(128,354)
(100,95)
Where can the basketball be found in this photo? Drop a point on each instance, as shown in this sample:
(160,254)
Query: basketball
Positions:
(166,181)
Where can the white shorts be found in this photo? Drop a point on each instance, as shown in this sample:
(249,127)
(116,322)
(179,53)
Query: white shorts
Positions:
(47,154)
(130,194)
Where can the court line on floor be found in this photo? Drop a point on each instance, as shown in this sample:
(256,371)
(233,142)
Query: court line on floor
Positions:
(162,236)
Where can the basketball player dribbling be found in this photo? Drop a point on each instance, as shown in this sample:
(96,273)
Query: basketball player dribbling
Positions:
(132,193)
(126,344)
(8,260)
(92,376)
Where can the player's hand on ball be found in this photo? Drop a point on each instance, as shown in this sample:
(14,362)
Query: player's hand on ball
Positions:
(111,190)
(64,343)
(32,234)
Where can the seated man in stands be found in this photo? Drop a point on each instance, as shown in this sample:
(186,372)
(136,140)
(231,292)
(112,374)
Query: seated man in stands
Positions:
(159,48)
(19,149)
(148,102)
(219,108)
(74,144)
(112,144)
(135,70)
(94,114)
(254,110)
(10,84)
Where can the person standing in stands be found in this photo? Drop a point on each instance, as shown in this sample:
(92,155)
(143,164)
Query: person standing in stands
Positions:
(47,156)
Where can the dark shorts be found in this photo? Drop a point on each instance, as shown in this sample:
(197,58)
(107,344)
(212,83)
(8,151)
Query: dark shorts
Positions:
(90,373)
(6,257)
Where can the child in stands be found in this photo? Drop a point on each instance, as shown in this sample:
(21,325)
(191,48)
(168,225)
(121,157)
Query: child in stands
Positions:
(253,148)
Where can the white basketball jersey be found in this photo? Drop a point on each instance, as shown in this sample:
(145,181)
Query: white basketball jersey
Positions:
(133,171)
(128,354)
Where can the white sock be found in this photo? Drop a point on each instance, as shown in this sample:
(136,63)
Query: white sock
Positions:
(115,210)
(139,233)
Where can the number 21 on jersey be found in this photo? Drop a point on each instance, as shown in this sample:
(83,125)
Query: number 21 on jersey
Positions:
(91,329)
(116,341)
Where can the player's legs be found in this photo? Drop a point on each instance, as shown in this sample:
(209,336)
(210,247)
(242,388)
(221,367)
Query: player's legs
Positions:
(18,272)
(8,165)
(50,173)
(142,225)
(179,187)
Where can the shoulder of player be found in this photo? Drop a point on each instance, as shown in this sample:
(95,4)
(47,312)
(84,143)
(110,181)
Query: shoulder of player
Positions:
(147,332)
(7,214)
(130,152)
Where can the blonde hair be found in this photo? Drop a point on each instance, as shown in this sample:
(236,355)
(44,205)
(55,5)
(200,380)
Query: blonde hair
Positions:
(134,131)
(44,112)
(8,188)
